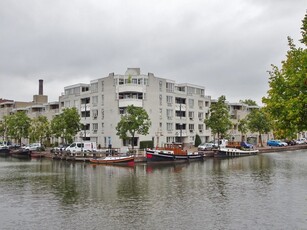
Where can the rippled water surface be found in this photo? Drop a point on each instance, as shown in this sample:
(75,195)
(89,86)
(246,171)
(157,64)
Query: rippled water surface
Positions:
(268,191)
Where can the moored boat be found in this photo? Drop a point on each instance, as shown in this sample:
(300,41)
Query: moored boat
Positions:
(21,153)
(116,160)
(171,153)
(234,152)
(4,151)
(38,154)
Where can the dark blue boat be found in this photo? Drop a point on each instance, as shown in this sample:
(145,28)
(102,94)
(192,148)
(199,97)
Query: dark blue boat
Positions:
(4,151)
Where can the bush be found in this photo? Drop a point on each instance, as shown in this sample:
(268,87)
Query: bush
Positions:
(197,140)
(146,144)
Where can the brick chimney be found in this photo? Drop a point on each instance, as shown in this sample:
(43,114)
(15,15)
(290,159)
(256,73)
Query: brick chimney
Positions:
(41,87)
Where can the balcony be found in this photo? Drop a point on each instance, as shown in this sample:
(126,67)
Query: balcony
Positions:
(131,88)
(130,101)
(183,107)
(85,107)
(183,133)
(86,132)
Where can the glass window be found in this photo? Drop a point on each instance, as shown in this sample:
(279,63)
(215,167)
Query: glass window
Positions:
(94,87)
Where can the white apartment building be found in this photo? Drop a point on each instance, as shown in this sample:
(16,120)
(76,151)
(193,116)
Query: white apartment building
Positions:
(177,111)
(237,112)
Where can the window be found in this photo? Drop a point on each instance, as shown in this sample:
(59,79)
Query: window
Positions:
(191,115)
(160,99)
(95,113)
(191,127)
(102,86)
(95,100)
(200,104)
(95,127)
(169,100)
(160,86)
(102,99)
(102,114)
(122,111)
(94,87)
(169,87)
(102,127)
(169,126)
(169,114)
(191,103)
(76,103)
(120,81)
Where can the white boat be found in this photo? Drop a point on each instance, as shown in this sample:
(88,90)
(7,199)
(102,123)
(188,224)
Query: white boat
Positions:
(234,152)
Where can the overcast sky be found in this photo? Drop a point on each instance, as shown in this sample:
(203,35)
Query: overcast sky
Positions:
(225,46)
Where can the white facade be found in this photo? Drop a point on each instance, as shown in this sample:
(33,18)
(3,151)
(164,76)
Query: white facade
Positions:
(177,111)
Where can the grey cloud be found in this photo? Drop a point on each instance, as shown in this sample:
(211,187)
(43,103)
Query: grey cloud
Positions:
(224,46)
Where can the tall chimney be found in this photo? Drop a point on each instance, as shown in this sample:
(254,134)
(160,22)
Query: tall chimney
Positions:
(41,87)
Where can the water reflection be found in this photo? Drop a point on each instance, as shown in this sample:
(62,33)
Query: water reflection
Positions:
(249,192)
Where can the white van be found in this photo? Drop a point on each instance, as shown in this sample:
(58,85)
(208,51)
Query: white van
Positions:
(82,147)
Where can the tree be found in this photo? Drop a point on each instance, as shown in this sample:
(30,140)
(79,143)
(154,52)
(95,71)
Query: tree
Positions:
(219,120)
(135,121)
(56,126)
(18,125)
(197,140)
(66,125)
(39,129)
(242,127)
(3,129)
(286,101)
(259,121)
(249,102)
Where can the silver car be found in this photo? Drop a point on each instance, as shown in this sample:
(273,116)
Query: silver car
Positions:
(206,146)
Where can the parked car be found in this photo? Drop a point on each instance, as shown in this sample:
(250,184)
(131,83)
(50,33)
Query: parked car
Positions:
(291,142)
(206,146)
(277,143)
(35,146)
(301,141)
(246,145)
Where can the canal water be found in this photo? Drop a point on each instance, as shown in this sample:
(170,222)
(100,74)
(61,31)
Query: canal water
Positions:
(267,191)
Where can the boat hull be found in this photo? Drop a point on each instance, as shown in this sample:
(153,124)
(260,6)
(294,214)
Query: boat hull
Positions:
(4,152)
(22,153)
(114,160)
(157,156)
(233,152)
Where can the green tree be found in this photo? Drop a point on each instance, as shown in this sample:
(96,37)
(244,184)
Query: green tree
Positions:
(135,121)
(18,125)
(249,102)
(56,126)
(286,101)
(219,120)
(197,140)
(260,122)
(242,127)
(66,125)
(39,129)
(3,129)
